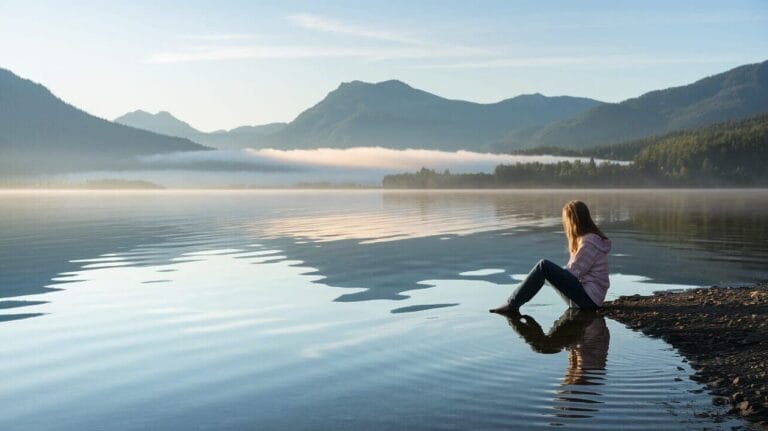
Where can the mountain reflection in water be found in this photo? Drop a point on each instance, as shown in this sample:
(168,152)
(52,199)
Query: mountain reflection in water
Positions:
(344,310)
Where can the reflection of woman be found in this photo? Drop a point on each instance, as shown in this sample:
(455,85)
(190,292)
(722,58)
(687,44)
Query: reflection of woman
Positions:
(583,333)
(585,336)
(584,280)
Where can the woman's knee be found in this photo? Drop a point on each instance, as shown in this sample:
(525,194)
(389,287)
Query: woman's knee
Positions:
(544,264)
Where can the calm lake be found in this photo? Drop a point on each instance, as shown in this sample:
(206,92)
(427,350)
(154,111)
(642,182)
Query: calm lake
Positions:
(298,310)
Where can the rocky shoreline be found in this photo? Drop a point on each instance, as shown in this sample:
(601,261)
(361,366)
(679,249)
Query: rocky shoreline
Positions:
(723,333)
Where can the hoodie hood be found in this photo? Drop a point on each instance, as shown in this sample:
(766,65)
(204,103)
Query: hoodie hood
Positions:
(604,245)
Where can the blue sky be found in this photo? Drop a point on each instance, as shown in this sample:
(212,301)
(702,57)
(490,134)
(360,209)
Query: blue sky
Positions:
(222,64)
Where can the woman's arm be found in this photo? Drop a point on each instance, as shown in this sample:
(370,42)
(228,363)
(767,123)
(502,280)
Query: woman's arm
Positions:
(583,260)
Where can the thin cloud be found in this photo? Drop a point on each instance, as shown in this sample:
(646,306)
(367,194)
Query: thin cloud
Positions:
(588,20)
(257,52)
(220,37)
(391,159)
(270,167)
(575,20)
(628,60)
(406,47)
(243,52)
(327,25)
(356,158)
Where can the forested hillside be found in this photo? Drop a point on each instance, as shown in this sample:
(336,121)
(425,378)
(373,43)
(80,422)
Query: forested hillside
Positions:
(731,154)
(738,93)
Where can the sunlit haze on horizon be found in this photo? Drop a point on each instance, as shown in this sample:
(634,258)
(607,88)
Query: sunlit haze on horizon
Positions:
(359,166)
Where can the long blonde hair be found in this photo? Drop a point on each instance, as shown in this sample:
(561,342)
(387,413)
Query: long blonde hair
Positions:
(577,222)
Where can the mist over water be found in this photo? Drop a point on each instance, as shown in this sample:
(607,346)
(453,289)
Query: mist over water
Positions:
(272,167)
(346,309)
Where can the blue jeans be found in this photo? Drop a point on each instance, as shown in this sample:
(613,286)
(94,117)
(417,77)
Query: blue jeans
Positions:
(566,284)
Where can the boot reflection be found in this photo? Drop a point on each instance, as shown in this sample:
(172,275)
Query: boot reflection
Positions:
(584,335)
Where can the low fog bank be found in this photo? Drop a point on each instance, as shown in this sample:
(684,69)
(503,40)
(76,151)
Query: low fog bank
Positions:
(362,166)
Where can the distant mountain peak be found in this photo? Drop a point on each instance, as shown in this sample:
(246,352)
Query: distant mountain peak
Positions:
(41,133)
(163,122)
(393,83)
(139,112)
(143,113)
(394,114)
(353,84)
(388,85)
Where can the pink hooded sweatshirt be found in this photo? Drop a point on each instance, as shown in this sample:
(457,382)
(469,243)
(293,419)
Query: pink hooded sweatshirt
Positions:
(590,265)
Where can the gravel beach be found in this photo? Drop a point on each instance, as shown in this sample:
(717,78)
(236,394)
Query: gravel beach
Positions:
(723,333)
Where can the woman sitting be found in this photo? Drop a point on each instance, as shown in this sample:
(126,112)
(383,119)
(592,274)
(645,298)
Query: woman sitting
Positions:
(583,282)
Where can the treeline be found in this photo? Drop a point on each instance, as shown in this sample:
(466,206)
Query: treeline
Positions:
(627,151)
(527,175)
(732,154)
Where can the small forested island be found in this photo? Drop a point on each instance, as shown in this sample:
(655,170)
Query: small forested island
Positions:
(731,154)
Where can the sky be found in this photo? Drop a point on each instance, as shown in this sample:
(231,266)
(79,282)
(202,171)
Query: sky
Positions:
(223,64)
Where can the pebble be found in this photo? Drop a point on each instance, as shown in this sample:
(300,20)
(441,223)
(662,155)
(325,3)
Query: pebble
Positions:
(721,332)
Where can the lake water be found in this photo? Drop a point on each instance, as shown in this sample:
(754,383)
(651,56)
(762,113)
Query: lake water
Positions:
(294,310)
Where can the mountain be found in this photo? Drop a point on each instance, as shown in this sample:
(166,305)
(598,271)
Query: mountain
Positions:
(738,93)
(389,114)
(165,123)
(41,133)
(162,122)
(241,137)
(394,115)
(730,154)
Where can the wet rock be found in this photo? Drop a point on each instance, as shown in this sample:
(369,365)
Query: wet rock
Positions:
(722,332)
(745,409)
(715,383)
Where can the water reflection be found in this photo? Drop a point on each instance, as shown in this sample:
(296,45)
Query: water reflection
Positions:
(227,311)
(382,244)
(584,335)
(682,237)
